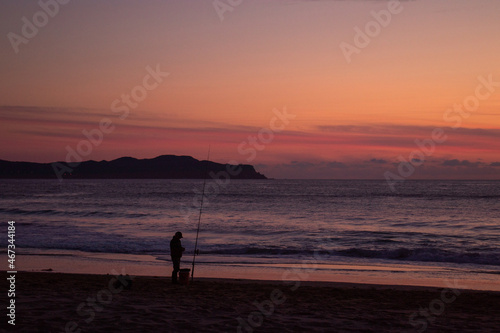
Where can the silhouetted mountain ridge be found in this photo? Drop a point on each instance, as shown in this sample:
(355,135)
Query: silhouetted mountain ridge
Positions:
(161,167)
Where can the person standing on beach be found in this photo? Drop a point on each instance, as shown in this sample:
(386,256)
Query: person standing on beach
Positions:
(176,250)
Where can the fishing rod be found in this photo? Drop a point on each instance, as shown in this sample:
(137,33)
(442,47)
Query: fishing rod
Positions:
(199,217)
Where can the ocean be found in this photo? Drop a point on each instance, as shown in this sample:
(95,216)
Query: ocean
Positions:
(426,233)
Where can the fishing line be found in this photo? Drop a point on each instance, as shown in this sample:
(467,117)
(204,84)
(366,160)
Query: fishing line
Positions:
(199,217)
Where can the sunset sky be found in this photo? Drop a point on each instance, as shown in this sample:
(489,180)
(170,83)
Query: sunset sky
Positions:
(233,68)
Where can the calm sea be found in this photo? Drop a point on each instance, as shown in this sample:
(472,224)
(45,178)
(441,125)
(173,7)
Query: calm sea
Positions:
(448,227)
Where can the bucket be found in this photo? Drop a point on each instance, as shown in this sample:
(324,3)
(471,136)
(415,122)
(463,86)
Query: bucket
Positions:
(184,276)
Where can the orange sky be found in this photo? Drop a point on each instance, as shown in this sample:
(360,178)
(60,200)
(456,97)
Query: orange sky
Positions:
(353,117)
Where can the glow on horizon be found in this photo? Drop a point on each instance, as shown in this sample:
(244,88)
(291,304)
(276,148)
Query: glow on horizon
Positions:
(353,120)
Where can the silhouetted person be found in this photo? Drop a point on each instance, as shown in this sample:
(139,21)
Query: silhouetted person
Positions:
(176,250)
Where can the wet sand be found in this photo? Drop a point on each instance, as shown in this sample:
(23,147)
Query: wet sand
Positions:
(58,302)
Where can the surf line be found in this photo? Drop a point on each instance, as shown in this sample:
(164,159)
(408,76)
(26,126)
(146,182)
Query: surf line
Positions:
(205,176)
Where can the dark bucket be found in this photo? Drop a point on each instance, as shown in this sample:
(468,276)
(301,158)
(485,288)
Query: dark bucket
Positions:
(184,276)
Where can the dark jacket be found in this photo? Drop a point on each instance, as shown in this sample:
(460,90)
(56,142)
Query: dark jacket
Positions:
(175,248)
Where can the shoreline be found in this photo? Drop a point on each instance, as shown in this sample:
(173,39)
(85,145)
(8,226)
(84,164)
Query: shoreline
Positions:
(67,302)
(424,274)
(256,281)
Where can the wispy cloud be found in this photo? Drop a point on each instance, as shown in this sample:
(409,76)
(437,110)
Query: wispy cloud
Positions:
(407,130)
(462,163)
(377,161)
(373,169)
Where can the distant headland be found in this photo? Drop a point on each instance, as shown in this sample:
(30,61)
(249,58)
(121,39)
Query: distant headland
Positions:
(161,167)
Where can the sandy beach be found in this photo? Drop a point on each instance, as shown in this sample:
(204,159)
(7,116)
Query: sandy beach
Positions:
(58,302)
